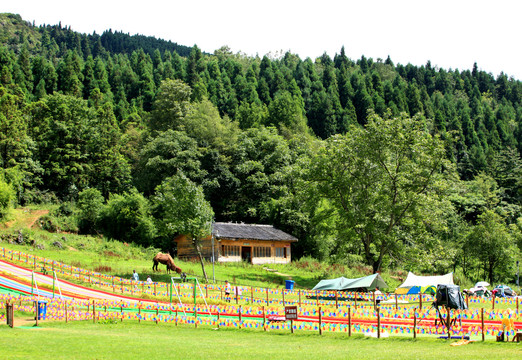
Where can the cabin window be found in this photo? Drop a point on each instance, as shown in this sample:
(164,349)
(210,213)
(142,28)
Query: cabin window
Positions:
(281,252)
(230,250)
(262,252)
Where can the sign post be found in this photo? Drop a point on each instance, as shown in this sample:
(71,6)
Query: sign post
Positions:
(9,314)
(291,314)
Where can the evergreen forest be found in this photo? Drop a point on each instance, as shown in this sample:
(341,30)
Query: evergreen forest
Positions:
(367,162)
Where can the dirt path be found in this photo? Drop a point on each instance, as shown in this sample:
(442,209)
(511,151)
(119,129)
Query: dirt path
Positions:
(24,218)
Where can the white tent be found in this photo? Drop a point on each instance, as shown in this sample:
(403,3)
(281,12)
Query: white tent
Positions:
(415,281)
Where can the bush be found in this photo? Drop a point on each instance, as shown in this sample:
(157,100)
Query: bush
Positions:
(128,218)
(64,210)
(7,196)
(90,206)
(37,196)
(55,224)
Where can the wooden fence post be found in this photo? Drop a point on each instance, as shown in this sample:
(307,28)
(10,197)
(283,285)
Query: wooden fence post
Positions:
(448,322)
(420,300)
(240,316)
(320,322)
(349,321)
(267,302)
(264,319)
(336,299)
(396,303)
(378,321)
(252,294)
(493,302)
(93,311)
(37,311)
(414,324)
(284,304)
(482,323)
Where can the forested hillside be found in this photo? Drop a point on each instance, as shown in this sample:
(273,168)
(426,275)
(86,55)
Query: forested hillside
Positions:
(365,161)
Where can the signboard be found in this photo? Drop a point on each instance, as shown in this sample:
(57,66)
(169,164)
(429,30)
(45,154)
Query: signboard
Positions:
(291,312)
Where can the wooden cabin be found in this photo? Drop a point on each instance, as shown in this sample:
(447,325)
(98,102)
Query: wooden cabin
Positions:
(235,242)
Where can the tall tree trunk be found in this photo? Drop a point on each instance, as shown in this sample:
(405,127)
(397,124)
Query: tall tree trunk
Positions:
(201,261)
(490,271)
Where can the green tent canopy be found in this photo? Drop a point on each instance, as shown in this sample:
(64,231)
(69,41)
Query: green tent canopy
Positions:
(368,283)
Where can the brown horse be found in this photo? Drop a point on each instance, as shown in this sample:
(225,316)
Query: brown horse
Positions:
(167,260)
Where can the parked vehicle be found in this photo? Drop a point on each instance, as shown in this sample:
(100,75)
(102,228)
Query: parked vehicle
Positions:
(503,291)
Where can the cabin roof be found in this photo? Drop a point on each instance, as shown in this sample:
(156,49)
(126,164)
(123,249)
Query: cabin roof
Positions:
(222,230)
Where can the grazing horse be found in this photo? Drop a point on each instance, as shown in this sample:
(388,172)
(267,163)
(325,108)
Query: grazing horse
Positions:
(167,260)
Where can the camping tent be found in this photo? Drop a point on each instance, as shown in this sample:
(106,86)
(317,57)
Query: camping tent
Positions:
(415,284)
(367,283)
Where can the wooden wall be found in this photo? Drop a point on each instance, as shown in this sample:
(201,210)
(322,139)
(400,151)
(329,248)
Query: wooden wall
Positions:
(186,250)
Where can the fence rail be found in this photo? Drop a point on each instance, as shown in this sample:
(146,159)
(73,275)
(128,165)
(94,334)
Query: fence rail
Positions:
(411,322)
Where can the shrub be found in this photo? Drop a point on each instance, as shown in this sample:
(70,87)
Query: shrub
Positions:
(127,218)
(7,196)
(90,206)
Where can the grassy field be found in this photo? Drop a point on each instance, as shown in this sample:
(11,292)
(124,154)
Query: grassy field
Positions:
(129,340)
(85,340)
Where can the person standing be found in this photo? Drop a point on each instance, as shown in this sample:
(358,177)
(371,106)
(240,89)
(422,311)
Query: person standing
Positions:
(135,276)
(227,291)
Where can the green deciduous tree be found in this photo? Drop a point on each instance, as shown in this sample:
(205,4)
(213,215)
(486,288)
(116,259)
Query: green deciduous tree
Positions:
(492,242)
(7,197)
(375,177)
(127,217)
(90,205)
(181,209)
(164,155)
(171,106)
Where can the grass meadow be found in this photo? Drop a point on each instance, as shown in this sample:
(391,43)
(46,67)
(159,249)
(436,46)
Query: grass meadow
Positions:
(129,340)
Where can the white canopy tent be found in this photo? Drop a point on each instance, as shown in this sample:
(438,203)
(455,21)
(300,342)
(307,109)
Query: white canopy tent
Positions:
(423,282)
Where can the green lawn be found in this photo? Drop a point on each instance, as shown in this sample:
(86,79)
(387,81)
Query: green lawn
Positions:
(85,340)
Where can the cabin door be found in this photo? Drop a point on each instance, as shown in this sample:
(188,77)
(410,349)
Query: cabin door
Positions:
(246,254)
